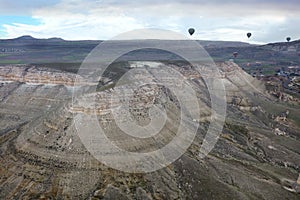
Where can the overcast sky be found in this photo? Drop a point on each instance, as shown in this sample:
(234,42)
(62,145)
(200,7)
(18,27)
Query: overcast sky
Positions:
(269,21)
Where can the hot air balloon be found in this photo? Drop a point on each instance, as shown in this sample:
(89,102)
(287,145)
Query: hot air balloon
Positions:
(191,31)
(249,35)
(288,39)
(235,54)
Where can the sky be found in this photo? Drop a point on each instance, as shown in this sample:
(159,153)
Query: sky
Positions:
(227,20)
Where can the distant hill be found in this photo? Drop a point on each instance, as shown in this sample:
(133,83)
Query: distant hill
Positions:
(25,37)
(218,44)
(30,39)
(27,49)
(276,53)
(293,46)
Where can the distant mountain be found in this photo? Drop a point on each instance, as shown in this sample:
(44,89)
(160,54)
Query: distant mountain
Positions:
(293,46)
(205,43)
(218,44)
(277,54)
(22,39)
(30,38)
(25,37)
(56,39)
(53,39)
(27,49)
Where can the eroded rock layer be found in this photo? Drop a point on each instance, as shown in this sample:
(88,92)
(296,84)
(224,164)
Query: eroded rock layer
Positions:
(42,157)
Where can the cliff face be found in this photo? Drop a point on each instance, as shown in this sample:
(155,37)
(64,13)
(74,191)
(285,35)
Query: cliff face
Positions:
(237,85)
(42,155)
(33,75)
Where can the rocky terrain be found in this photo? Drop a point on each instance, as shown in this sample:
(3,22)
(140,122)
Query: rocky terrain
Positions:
(41,156)
(34,75)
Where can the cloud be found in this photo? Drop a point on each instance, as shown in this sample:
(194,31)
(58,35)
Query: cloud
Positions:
(25,7)
(214,19)
(219,8)
(161,7)
(68,20)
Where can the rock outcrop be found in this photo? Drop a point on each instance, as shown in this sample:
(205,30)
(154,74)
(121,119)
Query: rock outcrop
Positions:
(42,156)
(38,76)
